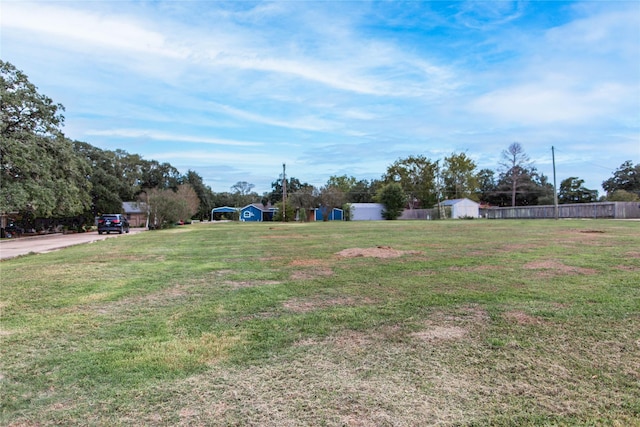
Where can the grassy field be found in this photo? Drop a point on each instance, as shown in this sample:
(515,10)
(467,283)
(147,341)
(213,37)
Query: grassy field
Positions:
(340,324)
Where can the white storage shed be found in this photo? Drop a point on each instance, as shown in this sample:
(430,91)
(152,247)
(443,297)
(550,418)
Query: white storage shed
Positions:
(461,208)
(366,211)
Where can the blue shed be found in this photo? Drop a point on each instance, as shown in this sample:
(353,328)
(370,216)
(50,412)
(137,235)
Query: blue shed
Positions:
(256,212)
(335,214)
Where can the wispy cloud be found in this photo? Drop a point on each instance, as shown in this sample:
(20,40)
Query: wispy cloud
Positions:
(160,136)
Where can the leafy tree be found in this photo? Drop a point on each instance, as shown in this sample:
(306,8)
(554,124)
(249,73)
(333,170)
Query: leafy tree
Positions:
(533,188)
(623,196)
(166,206)
(242,193)
(626,177)
(158,175)
(106,185)
(460,179)
(516,169)
(293,185)
(23,109)
(205,195)
(305,198)
(572,190)
(486,186)
(40,174)
(343,183)
(393,198)
(363,191)
(417,178)
(290,212)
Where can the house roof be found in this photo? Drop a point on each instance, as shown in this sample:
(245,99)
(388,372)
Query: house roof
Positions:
(261,207)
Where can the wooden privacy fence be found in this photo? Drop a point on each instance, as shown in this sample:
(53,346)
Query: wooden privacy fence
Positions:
(617,210)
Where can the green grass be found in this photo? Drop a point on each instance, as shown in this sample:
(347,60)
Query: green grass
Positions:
(475,323)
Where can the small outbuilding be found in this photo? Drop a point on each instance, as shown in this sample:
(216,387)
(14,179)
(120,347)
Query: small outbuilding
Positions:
(366,211)
(463,208)
(257,212)
(334,214)
(216,213)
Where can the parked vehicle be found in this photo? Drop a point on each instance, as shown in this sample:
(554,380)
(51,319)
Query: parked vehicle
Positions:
(113,222)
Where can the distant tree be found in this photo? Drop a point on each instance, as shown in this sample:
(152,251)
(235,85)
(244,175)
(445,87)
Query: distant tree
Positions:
(304,198)
(242,187)
(459,176)
(223,199)
(486,190)
(626,177)
(344,183)
(204,192)
(572,190)
(290,212)
(293,185)
(159,175)
(516,168)
(363,191)
(166,207)
(623,196)
(541,191)
(242,193)
(416,176)
(393,198)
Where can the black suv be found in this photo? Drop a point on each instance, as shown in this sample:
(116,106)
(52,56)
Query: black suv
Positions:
(113,222)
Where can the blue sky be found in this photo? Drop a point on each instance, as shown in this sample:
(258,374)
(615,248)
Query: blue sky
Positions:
(235,89)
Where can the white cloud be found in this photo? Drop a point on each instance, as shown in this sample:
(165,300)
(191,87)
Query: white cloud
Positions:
(543,103)
(161,136)
(88,29)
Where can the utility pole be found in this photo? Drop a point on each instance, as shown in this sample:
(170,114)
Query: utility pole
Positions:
(555,187)
(284,192)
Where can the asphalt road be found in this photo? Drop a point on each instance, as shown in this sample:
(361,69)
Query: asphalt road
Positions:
(10,248)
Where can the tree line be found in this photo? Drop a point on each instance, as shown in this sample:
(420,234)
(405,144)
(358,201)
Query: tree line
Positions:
(44,174)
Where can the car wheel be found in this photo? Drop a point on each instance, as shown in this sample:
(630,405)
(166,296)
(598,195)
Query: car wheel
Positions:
(99,232)
(120,231)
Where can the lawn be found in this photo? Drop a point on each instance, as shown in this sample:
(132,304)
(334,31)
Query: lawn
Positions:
(395,323)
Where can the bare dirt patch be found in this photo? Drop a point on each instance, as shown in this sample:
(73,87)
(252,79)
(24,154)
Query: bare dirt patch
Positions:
(311,273)
(300,305)
(522,318)
(376,252)
(551,267)
(307,262)
(238,284)
(476,268)
(441,333)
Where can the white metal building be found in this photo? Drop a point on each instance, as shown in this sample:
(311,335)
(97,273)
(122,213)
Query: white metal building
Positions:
(366,211)
(461,208)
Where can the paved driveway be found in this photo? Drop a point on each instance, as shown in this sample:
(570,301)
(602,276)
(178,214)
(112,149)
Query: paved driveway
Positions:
(10,248)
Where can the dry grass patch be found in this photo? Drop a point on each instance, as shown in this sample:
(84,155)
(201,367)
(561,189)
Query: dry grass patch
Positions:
(551,267)
(522,318)
(239,284)
(440,333)
(376,252)
(305,305)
